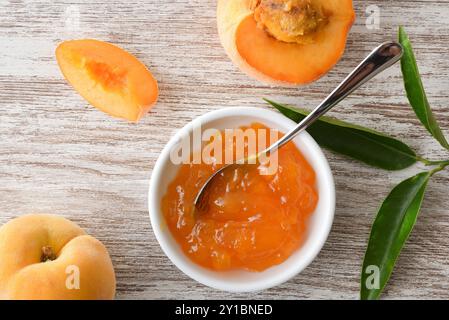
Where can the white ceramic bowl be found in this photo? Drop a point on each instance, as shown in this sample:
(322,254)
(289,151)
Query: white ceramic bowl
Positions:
(319,224)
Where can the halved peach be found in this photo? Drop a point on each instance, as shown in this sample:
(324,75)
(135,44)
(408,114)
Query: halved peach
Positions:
(264,57)
(108,77)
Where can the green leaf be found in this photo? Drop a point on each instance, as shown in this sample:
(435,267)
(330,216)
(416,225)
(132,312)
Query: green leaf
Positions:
(368,146)
(415,90)
(391,229)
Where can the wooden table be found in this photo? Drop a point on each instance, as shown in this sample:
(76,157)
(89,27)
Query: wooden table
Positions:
(60,155)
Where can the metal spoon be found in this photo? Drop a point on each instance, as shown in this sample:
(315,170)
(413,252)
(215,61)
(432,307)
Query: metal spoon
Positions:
(381,58)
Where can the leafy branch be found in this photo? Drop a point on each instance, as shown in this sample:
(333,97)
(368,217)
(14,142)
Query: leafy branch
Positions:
(399,211)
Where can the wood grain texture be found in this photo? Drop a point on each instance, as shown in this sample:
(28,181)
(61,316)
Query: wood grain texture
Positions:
(59,155)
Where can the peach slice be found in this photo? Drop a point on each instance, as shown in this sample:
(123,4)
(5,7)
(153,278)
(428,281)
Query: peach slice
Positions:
(108,77)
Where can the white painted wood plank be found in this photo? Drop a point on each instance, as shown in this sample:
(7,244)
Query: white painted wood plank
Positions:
(59,155)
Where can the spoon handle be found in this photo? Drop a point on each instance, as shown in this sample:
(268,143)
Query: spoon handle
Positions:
(381,58)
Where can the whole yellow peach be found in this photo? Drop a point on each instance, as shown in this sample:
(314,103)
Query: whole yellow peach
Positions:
(49,257)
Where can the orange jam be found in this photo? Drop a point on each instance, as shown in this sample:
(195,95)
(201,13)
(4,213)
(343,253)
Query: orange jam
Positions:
(252,221)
